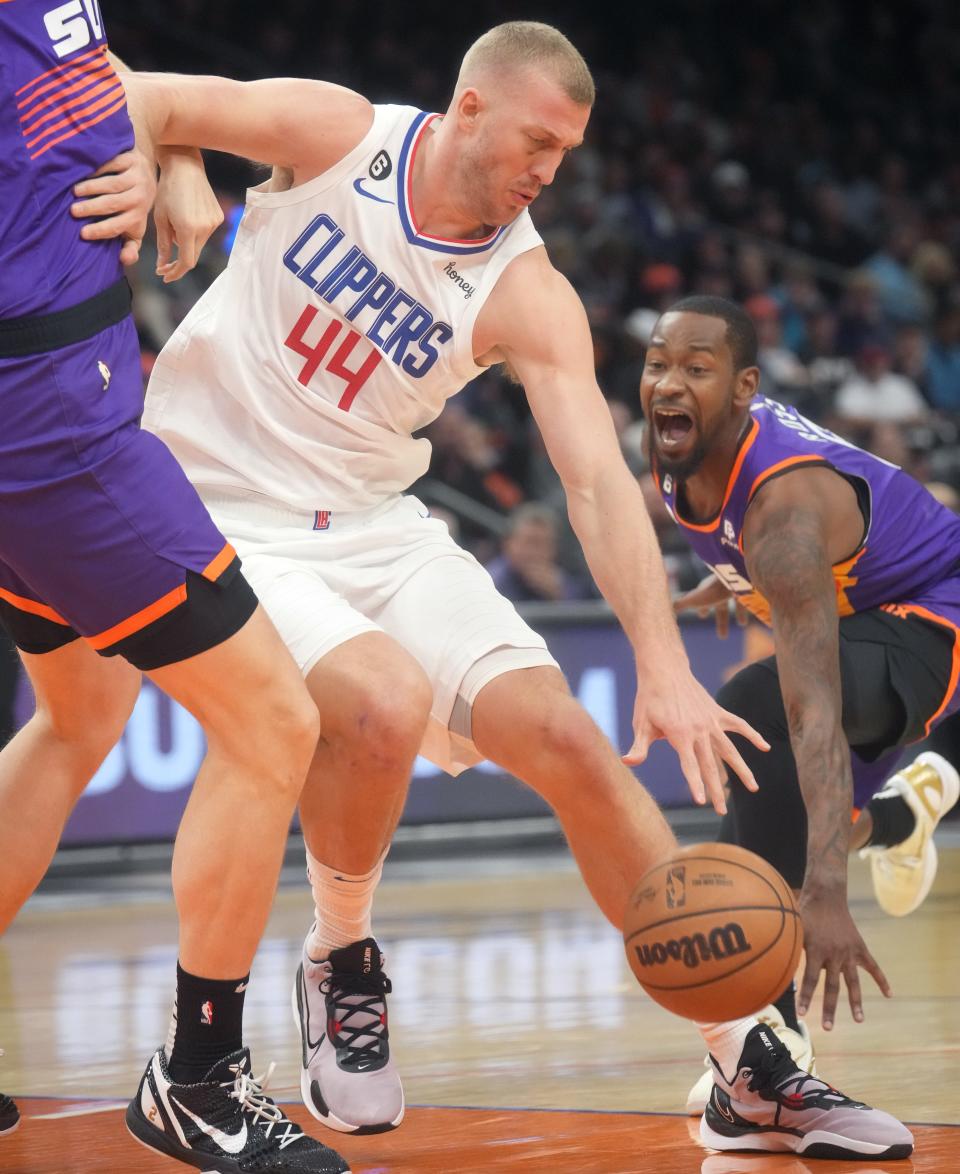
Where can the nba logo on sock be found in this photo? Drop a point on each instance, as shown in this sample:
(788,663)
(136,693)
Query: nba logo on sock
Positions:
(206,1014)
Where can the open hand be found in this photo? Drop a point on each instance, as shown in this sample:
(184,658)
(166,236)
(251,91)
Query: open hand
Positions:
(672,704)
(832,943)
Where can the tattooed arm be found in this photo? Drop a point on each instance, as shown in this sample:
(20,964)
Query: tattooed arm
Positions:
(797,527)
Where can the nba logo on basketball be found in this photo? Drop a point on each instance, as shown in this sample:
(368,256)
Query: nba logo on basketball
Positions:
(676,887)
(206,1014)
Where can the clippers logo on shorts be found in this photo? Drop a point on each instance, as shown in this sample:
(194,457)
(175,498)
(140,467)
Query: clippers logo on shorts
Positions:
(677,887)
(723,941)
(206,1014)
(321,520)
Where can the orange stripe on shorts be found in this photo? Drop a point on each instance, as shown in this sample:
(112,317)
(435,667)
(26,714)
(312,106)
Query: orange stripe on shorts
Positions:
(33,607)
(214,569)
(139,620)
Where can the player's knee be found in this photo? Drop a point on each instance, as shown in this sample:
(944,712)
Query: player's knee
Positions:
(390,716)
(571,739)
(293,726)
(92,716)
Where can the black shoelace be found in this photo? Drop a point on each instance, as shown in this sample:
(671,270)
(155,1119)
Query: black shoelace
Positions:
(357,1010)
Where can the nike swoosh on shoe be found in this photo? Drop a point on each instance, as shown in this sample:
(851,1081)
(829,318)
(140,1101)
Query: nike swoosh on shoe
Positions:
(230,1143)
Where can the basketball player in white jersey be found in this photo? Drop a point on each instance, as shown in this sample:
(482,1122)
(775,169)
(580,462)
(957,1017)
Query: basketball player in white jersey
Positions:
(393,263)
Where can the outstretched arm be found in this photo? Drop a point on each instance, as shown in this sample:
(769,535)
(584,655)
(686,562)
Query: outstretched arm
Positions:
(786,535)
(541,330)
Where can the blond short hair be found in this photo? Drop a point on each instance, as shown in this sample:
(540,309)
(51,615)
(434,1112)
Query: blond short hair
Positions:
(520,43)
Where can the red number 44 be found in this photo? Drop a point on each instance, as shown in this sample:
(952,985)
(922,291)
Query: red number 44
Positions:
(315,353)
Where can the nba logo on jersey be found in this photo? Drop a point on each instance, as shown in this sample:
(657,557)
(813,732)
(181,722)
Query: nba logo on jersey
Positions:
(321,520)
(206,1014)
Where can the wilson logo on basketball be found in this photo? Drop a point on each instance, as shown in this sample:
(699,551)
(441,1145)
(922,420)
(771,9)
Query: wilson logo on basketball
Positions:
(723,941)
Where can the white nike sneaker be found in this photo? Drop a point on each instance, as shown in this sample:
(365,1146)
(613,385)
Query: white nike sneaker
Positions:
(224,1124)
(902,875)
(798,1044)
(348,1079)
(769,1105)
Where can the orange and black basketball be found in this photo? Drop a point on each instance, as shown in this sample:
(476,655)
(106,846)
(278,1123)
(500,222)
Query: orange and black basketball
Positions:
(713,933)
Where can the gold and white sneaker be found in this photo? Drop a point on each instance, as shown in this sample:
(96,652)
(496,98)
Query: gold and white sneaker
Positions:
(902,875)
(798,1044)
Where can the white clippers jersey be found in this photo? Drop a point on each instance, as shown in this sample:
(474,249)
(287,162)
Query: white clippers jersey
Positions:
(336,331)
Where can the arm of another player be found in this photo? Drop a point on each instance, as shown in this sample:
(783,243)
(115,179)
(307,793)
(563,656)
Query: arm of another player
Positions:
(786,537)
(293,122)
(120,194)
(540,329)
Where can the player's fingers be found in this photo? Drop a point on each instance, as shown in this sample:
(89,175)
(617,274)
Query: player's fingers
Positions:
(104,205)
(174,271)
(189,253)
(831,992)
(711,774)
(130,252)
(121,162)
(637,754)
(852,976)
(743,616)
(722,614)
(870,965)
(729,754)
(164,243)
(811,976)
(103,230)
(103,185)
(734,724)
(691,772)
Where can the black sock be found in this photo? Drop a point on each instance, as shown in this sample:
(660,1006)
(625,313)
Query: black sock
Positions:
(893,821)
(787,1006)
(207,1024)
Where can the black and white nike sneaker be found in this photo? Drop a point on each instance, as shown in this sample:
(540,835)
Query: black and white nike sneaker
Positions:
(348,1079)
(226,1124)
(9,1115)
(770,1105)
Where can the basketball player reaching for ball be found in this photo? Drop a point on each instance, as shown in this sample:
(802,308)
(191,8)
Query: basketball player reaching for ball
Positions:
(110,566)
(396,263)
(857,569)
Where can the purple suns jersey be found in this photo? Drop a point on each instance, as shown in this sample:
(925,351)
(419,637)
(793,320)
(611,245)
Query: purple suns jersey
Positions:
(63,116)
(909,559)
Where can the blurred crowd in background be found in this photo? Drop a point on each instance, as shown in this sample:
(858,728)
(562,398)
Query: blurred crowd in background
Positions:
(801,159)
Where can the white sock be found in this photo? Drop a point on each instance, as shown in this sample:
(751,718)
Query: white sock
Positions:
(725,1043)
(343,907)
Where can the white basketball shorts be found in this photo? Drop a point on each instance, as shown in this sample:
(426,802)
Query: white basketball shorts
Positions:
(324,578)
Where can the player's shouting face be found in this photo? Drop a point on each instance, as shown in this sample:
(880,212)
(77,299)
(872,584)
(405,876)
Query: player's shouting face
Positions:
(691,392)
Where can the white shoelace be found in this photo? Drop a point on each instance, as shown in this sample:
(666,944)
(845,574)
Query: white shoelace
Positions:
(249,1091)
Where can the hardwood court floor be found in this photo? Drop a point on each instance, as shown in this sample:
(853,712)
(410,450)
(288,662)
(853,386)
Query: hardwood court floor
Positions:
(513,1016)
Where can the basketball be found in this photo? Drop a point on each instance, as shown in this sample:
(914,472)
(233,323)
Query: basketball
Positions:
(713,933)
